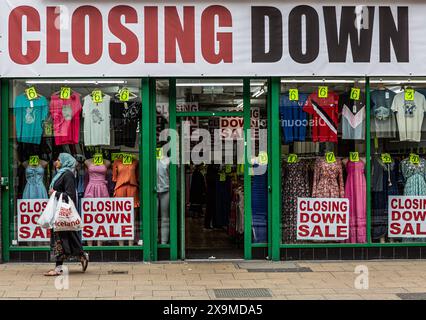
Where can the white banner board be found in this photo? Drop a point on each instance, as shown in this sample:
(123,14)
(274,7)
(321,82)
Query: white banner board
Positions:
(44,38)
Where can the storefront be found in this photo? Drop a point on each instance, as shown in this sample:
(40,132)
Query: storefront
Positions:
(245,130)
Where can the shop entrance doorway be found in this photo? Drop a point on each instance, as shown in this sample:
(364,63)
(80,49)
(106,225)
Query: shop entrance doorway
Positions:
(212,177)
(211,187)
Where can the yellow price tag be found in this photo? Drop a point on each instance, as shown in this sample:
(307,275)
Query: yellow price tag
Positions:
(228,168)
(323,92)
(31,93)
(414,158)
(124,95)
(159,153)
(240,169)
(234,177)
(98,159)
(292,158)
(330,157)
(293,95)
(97,96)
(116,156)
(222,176)
(409,94)
(127,159)
(355,93)
(386,158)
(354,156)
(65,93)
(263,158)
(34,161)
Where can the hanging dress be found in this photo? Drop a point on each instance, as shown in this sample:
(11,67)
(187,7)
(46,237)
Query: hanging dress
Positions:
(384,184)
(34,189)
(415,183)
(355,191)
(295,183)
(328,179)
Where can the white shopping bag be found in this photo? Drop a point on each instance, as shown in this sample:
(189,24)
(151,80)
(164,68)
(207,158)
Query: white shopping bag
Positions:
(47,217)
(67,217)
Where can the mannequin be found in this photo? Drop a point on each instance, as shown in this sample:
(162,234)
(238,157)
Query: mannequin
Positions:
(35,189)
(126,179)
(97,186)
(163,197)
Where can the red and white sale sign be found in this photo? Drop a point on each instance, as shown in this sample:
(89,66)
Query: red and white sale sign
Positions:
(407,217)
(233,127)
(322,219)
(108,219)
(28,213)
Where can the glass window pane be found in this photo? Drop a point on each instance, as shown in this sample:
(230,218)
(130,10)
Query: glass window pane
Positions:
(95,124)
(398,152)
(323,165)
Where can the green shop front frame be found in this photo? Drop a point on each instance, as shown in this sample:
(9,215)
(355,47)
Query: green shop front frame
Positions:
(177,243)
(150,247)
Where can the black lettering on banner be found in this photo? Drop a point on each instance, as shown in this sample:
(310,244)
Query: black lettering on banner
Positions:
(258,41)
(389,32)
(337,40)
(295,34)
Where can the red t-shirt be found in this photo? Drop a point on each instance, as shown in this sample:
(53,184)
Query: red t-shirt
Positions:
(325,114)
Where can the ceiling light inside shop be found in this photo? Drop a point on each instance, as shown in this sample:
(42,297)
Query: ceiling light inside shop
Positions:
(317,81)
(217,84)
(76,82)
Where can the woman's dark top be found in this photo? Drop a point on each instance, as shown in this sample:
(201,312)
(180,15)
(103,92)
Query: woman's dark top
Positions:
(66,184)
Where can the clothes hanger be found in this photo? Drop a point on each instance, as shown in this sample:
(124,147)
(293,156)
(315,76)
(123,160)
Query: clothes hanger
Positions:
(132,96)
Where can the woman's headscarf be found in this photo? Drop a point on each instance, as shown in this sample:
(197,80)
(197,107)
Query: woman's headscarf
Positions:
(68,163)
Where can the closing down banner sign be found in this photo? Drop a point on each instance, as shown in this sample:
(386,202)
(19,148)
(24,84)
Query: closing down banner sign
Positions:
(42,38)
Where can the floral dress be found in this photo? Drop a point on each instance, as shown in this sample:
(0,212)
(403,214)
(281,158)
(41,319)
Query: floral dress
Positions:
(328,179)
(415,183)
(295,182)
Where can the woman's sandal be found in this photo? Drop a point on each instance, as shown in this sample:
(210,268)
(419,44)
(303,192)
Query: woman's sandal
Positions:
(53,273)
(84,261)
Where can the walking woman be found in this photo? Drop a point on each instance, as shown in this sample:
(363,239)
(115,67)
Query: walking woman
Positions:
(66,244)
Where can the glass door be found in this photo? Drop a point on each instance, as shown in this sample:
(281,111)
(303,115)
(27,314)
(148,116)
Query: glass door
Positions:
(222,160)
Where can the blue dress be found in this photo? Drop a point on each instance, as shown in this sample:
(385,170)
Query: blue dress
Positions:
(415,184)
(34,189)
(293,118)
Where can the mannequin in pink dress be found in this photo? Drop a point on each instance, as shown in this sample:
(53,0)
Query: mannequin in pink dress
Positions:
(97,186)
(355,191)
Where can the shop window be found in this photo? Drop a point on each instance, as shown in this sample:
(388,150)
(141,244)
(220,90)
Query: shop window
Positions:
(323,127)
(398,160)
(97,124)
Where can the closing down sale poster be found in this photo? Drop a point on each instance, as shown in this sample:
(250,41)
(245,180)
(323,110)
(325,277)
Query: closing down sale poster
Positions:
(322,219)
(407,217)
(108,219)
(43,38)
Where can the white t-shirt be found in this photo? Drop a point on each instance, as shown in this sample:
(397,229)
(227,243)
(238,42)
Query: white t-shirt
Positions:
(409,116)
(96,121)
